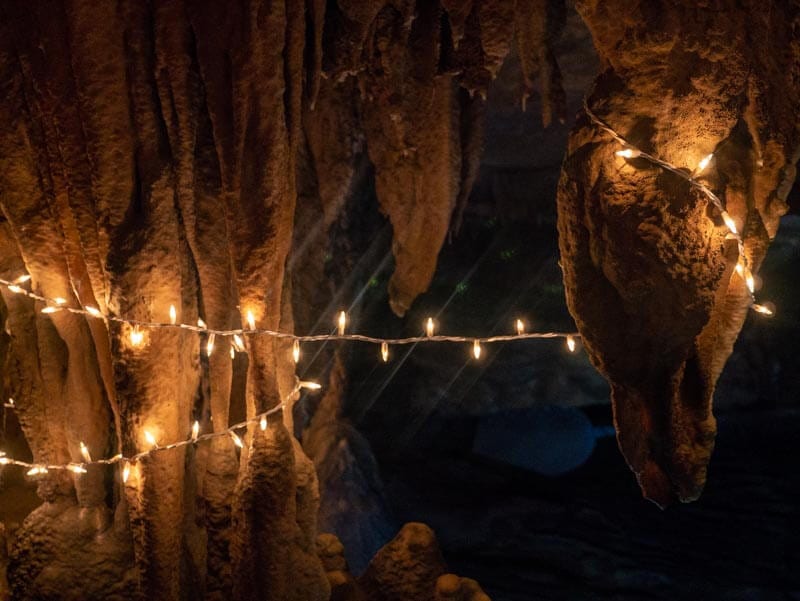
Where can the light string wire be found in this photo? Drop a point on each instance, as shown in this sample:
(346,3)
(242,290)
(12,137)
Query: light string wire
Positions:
(54,305)
(80,467)
(136,339)
(630,151)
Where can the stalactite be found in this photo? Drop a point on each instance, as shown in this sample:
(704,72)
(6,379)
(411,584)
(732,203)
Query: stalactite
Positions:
(648,271)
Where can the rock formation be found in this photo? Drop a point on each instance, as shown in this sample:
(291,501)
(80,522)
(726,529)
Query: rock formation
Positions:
(197,155)
(648,271)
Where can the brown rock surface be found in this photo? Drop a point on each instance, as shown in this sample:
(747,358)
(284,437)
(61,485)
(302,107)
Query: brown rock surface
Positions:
(648,272)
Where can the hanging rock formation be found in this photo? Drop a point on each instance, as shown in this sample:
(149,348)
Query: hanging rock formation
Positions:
(648,271)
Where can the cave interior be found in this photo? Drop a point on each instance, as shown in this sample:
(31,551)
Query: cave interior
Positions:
(399,300)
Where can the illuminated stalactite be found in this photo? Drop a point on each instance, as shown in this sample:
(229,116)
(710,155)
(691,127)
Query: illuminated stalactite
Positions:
(651,277)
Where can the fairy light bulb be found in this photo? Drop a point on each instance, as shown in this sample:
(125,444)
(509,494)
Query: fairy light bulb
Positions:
(476,349)
(729,222)
(126,472)
(385,352)
(520,327)
(93,311)
(195,430)
(137,336)
(210,345)
(571,344)
(85,453)
(236,440)
(22,279)
(51,309)
(309,385)
(704,162)
(296,351)
(151,440)
(251,320)
(4,460)
(173,315)
(238,343)
(201,324)
(429,327)
(628,153)
(262,423)
(37,470)
(342,322)
(60,301)
(15,289)
(76,468)
(763,309)
(740,267)
(232,352)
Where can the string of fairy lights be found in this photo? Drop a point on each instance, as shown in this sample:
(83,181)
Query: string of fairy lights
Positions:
(232,432)
(238,337)
(136,339)
(629,151)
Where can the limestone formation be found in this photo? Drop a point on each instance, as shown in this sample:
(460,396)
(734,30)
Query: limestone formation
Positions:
(648,271)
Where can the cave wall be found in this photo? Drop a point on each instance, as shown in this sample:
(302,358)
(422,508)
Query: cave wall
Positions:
(154,155)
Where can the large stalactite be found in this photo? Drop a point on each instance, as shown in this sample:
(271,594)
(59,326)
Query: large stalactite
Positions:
(197,154)
(648,270)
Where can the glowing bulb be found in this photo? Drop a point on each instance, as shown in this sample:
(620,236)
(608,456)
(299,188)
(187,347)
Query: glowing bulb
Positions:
(76,468)
(309,385)
(93,311)
(238,343)
(476,349)
(740,267)
(151,440)
(37,470)
(195,430)
(126,472)
(210,345)
(10,402)
(520,327)
(233,353)
(4,460)
(173,315)
(571,344)
(429,327)
(342,322)
(628,153)
(201,324)
(15,289)
(47,310)
(60,301)
(137,336)
(296,351)
(763,309)
(236,440)
(704,162)
(385,352)
(263,423)
(22,279)
(85,453)
(251,320)
(729,222)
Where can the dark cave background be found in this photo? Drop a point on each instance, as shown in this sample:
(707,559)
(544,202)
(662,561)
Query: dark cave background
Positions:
(411,453)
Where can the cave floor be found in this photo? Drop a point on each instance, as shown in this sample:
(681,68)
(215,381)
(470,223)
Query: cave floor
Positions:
(590,534)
